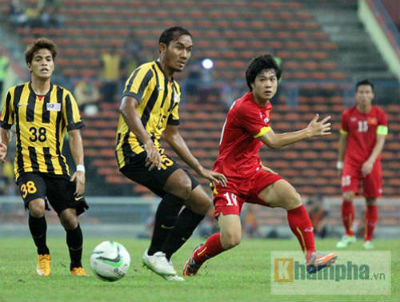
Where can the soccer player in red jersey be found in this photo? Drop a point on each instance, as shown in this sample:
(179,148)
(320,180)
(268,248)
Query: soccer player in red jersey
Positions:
(362,136)
(245,130)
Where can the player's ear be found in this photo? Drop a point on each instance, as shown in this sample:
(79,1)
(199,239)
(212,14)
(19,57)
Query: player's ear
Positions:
(29,66)
(162,47)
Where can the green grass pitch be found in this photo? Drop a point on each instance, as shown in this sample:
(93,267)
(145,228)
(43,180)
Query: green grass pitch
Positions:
(242,274)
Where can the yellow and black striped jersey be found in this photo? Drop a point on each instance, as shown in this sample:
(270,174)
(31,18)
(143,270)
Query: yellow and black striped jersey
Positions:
(158,106)
(40,125)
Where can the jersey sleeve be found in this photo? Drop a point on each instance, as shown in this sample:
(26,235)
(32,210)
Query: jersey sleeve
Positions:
(71,114)
(382,128)
(345,123)
(173,118)
(251,121)
(7,113)
(138,82)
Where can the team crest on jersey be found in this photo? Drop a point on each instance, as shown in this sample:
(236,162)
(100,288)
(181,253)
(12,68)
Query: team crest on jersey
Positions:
(53,107)
(353,119)
(372,121)
(266,120)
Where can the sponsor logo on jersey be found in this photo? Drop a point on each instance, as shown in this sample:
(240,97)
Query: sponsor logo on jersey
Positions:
(53,107)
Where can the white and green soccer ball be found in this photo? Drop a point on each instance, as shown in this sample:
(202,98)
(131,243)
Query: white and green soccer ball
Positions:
(110,261)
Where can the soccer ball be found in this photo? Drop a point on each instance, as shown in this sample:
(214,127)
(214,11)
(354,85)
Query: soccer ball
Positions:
(110,261)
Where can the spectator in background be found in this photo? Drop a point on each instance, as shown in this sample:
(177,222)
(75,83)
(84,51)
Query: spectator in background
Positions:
(17,14)
(250,224)
(49,13)
(111,71)
(87,95)
(199,83)
(3,68)
(32,12)
(133,48)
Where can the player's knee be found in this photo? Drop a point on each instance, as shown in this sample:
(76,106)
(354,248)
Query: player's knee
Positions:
(184,189)
(293,201)
(348,196)
(202,205)
(370,201)
(69,221)
(36,209)
(230,240)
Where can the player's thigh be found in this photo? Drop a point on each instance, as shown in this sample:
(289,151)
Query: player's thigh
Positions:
(179,184)
(61,195)
(231,230)
(199,201)
(32,188)
(69,219)
(281,194)
(350,181)
(171,178)
(372,184)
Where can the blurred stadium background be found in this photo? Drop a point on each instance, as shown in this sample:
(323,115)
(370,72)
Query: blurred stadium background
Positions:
(323,46)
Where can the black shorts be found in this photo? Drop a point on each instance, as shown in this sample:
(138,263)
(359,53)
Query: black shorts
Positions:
(155,179)
(54,189)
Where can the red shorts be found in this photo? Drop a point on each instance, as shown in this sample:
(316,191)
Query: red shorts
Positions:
(230,199)
(372,184)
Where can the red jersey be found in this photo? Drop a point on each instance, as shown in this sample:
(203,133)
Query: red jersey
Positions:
(239,146)
(361,129)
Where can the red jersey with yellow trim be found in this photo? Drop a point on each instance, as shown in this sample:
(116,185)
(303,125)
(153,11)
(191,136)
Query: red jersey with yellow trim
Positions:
(239,146)
(361,133)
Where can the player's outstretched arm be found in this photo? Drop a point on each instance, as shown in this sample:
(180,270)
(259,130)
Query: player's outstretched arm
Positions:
(132,119)
(177,143)
(5,136)
(314,128)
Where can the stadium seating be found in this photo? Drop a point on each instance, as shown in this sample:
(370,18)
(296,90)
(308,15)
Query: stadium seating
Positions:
(231,33)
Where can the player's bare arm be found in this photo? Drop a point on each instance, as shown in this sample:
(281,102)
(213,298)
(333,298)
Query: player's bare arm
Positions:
(5,135)
(177,143)
(132,119)
(76,147)
(341,152)
(369,164)
(314,128)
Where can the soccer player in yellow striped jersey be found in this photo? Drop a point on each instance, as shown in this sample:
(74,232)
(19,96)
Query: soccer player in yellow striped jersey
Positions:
(149,109)
(42,112)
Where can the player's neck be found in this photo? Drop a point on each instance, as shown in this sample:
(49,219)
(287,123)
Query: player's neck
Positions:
(364,109)
(39,86)
(260,102)
(168,72)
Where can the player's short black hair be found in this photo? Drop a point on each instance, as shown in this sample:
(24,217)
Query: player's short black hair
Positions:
(37,45)
(173,33)
(365,82)
(259,64)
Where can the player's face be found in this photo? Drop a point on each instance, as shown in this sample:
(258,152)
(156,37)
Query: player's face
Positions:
(265,85)
(364,95)
(42,65)
(178,53)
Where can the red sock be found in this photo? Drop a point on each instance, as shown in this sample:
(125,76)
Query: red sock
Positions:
(371,217)
(301,226)
(210,249)
(348,216)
